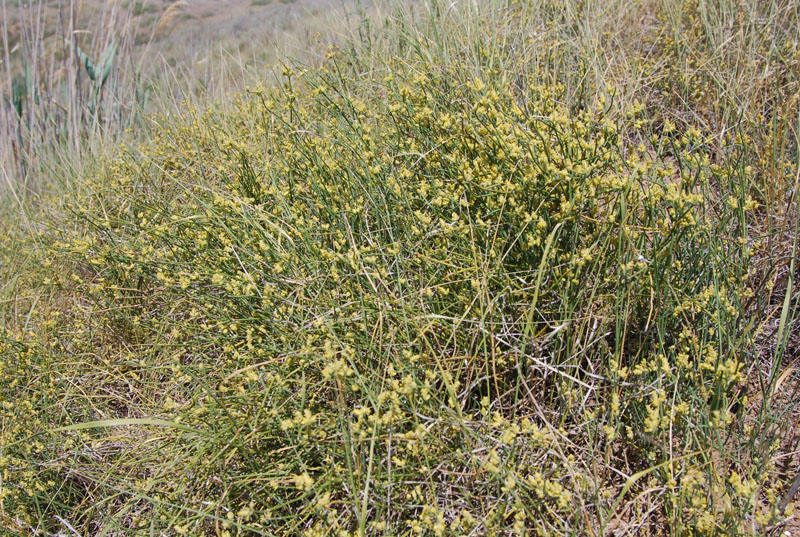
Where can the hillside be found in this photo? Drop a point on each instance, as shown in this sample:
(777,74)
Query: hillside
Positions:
(469,268)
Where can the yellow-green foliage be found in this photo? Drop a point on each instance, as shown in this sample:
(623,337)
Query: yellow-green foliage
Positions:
(430,299)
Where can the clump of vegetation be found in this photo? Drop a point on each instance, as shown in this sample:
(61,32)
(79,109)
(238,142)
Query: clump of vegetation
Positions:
(433,285)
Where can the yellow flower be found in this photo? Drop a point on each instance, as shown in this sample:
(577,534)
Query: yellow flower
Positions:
(303,481)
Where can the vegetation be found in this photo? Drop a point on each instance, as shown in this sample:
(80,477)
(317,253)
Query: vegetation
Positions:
(486,268)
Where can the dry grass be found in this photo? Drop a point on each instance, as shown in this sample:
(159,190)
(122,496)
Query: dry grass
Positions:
(54,109)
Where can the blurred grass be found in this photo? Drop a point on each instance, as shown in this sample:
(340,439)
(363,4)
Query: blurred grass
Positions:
(54,109)
(483,268)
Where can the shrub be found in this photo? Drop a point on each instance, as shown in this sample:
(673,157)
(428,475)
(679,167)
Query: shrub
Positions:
(431,299)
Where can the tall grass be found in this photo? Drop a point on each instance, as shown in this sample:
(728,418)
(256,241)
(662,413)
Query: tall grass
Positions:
(77,75)
(67,77)
(490,268)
